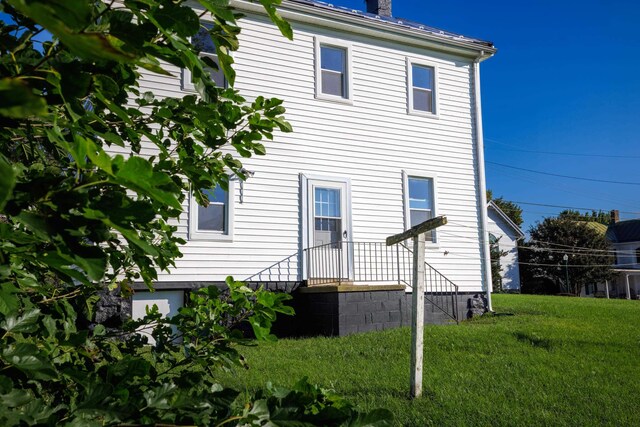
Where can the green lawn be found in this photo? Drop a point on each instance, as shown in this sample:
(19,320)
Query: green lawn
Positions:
(539,361)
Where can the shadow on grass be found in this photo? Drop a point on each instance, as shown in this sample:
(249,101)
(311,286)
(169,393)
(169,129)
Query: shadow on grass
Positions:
(534,340)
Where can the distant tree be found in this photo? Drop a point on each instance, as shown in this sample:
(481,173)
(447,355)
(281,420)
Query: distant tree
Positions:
(496,266)
(593,216)
(512,210)
(542,258)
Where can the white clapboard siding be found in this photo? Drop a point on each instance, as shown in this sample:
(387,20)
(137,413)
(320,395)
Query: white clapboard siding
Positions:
(370,142)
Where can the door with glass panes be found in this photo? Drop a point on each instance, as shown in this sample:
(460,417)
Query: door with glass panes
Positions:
(328,257)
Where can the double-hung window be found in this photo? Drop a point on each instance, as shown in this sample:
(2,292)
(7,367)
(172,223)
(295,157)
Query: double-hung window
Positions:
(421,88)
(204,45)
(419,201)
(333,70)
(214,221)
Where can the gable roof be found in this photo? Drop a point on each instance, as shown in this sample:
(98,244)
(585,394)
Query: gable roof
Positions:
(398,22)
(492,205)
(624,231)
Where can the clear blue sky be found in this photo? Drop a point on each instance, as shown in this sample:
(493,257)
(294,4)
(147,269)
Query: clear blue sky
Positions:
(566,79)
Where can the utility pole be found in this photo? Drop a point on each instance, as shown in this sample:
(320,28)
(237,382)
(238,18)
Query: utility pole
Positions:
(566,271)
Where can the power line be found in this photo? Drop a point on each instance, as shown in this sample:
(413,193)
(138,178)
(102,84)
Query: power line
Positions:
(566,207)
(548,265)
(516,148)
(564,176)
(577,250)
(562,187)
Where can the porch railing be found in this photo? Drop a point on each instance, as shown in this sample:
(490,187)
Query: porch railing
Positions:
(347,262)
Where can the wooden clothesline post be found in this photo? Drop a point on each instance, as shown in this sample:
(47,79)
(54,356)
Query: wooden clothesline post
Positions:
(417,298)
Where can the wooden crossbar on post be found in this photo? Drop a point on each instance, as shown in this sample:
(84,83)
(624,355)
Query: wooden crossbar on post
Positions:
(417,297)
(421,228)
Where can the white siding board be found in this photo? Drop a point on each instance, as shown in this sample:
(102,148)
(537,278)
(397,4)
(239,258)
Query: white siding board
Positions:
(369,142)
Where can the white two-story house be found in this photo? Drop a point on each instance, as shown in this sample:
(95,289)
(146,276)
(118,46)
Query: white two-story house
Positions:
(387,133)
(624,237)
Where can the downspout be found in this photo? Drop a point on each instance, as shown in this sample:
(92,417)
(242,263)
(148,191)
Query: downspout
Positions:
(486,254)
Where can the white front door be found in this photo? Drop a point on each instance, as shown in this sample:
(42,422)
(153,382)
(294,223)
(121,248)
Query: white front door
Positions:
(328,256)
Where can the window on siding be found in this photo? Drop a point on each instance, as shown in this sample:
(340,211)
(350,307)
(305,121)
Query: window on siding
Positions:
(214,217)
(333,69)
(203,44)
(638,256)
(420,202)
(422,88)
(214,221)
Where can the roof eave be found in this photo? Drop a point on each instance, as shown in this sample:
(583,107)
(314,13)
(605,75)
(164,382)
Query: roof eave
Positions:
(506,218)
(335,19)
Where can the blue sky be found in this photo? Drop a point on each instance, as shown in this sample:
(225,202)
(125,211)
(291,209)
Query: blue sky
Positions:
(565,79)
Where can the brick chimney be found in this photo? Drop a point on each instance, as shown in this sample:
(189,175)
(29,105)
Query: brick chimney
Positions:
(379,7)
(615,216)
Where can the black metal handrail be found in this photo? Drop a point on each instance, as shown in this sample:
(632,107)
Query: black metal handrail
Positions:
(286,270)
(346,262)
(441,292)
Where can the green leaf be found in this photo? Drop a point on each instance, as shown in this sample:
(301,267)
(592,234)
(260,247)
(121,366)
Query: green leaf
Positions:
(375,418)
(25,356)
(9,302)
(137,174)
(61,19)
(219,8)
(283,26)
(7,180)
(25,323)
(17,100)
(15,398)
(179,19)
(99,330)
(159,397)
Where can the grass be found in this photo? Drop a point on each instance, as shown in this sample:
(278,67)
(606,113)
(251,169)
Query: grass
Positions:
(538,361)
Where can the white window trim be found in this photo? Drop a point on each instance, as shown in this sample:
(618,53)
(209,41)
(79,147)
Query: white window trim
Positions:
(405,198)
(327,41)
(186,83)
(195,234)
(436,88)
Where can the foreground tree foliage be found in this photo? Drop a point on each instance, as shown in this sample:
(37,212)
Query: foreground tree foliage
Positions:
(77,220)
(589,259)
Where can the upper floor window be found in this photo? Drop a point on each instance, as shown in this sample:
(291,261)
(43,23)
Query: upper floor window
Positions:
(333,70)
(421,88)
(419,201)
(214,221)
(638,256)
(204,45)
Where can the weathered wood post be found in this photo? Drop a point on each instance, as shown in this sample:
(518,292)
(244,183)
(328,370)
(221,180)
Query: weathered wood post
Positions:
(417,296)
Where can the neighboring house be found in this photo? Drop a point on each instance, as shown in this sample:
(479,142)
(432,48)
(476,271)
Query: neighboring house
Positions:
(504,235)
(387,133)
(624,237)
